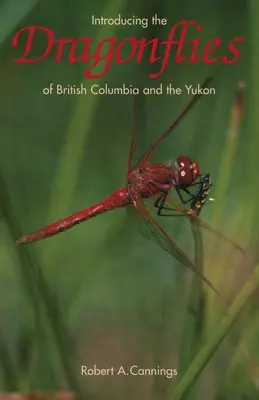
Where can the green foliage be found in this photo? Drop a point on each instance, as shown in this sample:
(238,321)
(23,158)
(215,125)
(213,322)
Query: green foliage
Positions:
(101,293)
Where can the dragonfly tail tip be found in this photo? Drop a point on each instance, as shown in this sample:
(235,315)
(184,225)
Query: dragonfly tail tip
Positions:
(22,240)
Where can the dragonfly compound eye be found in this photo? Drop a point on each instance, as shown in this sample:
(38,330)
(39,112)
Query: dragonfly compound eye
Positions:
(188,170)
(195,170)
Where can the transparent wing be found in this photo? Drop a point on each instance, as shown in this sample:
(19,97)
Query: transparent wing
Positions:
(194,243)
(139,137)
(160,235)
(140,153)
(225,261)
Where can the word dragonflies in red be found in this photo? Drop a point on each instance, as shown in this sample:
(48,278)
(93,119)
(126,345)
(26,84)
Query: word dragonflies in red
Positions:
(144,181)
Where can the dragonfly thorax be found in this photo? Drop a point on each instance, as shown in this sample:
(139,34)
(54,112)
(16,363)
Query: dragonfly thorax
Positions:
(152,178)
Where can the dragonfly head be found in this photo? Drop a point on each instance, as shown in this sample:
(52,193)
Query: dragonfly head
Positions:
(188,170)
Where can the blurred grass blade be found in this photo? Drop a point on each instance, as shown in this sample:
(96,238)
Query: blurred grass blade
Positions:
(27,268)
(228,155)
(214,342)
(224,176)
(39,292)
(251,202)
(78,130)
(242,361)
(11,12)
(11,376)
(193,325)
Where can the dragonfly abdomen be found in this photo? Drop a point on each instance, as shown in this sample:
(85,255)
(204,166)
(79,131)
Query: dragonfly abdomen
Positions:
(119,198)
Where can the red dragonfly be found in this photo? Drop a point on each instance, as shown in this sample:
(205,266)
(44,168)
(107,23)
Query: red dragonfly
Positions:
(145,180)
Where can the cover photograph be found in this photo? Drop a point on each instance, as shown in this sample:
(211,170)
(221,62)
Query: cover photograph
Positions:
(129,200)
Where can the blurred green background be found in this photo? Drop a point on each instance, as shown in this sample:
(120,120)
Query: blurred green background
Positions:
(100,293)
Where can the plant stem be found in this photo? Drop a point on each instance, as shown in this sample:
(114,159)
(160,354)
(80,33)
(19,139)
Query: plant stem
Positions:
(213,343)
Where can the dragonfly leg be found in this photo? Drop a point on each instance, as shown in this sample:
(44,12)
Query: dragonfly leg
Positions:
(194,184)
(197,183)
(158,201)
(192,196)
(160,205)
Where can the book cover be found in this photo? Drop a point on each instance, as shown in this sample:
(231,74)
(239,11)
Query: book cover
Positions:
(144,116)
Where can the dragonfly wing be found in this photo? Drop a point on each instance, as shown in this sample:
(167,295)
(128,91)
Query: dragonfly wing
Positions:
(159,235)
(140,149)
(139,139)
(171,127)
(220,235)
(228,263)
